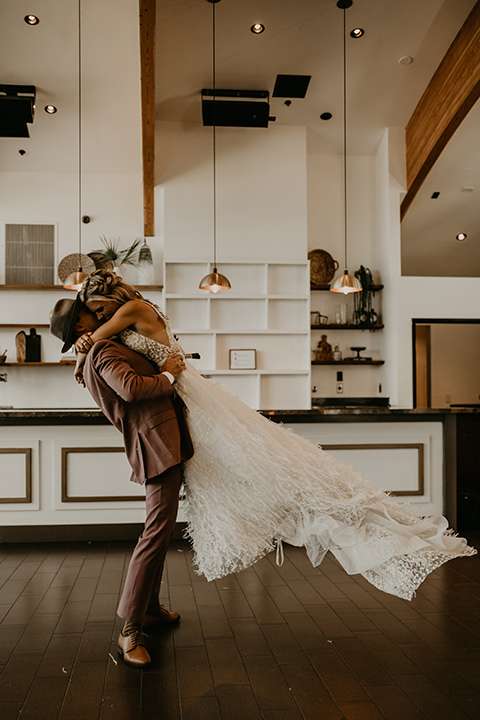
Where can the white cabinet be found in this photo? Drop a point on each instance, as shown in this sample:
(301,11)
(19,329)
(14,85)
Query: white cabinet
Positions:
(267,309)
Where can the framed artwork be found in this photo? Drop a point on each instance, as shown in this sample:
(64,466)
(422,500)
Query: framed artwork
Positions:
(243,359)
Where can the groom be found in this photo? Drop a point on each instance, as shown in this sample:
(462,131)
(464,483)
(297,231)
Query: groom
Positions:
(137,400)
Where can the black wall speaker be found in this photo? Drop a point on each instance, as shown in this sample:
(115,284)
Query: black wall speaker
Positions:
(235,108)
(17,108)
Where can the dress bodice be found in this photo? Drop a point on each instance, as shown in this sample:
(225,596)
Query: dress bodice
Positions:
(152,349)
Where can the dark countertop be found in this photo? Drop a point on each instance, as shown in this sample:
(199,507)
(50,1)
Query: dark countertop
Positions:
(91,416)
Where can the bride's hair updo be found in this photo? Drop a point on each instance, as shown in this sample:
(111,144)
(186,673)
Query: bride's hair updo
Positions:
(110,286)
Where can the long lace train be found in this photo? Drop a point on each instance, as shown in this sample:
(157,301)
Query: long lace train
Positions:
(252,483)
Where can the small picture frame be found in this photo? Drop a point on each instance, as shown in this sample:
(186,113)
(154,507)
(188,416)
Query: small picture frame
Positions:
(243,359)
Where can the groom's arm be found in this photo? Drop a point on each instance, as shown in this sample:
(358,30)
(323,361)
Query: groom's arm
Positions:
(128,384)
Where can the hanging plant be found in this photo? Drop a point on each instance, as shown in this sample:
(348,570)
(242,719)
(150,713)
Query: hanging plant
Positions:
(364,316)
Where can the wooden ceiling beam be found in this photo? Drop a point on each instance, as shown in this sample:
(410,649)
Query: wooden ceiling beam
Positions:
(451,93)
(147,81)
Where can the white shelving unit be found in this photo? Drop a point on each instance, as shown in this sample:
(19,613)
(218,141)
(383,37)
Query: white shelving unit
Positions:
(268,309)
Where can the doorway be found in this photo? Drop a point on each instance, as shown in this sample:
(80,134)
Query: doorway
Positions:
(446,363)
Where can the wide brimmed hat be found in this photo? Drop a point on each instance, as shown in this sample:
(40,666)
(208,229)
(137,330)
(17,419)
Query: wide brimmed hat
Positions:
(63,318)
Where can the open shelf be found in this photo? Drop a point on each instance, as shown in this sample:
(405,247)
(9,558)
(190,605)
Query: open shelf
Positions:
(25,324)
(327,287)
(348,361)
(38,364)
(60,287)
(347,326)
(268,310)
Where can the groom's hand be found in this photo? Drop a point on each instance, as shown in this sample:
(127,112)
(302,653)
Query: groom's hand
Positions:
(174,364)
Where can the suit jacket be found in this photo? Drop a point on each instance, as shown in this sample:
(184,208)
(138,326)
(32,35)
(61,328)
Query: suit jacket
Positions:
(137,400)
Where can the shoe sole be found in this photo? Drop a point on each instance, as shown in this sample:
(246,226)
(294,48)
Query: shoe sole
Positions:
(134,665)
(158,624)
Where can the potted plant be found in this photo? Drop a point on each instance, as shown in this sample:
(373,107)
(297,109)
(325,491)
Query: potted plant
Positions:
(111,258)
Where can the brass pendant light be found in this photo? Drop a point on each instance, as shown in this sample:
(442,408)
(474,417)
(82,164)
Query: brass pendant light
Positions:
(214,281)
(346,283)
(75,280)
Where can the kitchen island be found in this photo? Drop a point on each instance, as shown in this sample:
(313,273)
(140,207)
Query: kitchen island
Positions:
(64,475)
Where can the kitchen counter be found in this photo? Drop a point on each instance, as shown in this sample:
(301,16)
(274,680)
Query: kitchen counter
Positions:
(361,413)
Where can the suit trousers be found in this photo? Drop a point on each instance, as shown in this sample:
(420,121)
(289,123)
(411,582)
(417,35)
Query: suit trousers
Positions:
(142,585)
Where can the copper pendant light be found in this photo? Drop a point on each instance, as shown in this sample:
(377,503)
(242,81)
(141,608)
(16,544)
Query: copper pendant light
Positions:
(214,281)
(75,280)
(346,283)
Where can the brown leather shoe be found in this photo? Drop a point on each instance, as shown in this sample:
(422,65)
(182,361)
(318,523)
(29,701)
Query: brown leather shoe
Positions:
(132,650)
(160,618)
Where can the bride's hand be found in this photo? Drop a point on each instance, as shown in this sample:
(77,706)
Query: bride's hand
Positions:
(174,364)
(84,343)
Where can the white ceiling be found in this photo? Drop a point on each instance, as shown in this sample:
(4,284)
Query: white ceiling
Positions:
(306,37)
(46,55)
(301,37)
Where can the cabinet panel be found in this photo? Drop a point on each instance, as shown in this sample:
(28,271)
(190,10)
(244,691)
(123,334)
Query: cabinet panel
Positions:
(283,392)
(244,387)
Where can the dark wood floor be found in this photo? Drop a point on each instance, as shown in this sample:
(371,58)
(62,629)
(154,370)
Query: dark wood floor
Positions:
(273,643)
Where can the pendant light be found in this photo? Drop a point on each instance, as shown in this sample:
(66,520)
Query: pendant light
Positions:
(75,280)
(214,281)
(346,283)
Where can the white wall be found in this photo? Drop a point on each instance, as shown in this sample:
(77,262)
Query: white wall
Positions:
(325,209)
(114,203)
(261,192)
(409,297)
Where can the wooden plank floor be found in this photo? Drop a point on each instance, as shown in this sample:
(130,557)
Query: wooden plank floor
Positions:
(272,643)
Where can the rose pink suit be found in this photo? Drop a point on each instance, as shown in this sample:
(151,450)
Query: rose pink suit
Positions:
(137,400)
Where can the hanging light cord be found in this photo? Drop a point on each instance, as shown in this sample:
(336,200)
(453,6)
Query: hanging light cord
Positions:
(345,132)
(214,150)
(79,138)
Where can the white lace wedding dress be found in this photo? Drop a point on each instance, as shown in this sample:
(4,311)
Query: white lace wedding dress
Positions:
(252,483)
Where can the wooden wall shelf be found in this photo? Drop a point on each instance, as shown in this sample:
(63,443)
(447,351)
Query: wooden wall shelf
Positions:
(348,326)
(327,287)
(24,325)
(60,287)
(359,363)
(37,364)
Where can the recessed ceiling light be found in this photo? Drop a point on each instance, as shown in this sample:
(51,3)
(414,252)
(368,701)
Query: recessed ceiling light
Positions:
(50,109)
(461,237)
(435,194)
(406,60)
(257,28)
(357,32)
(326,116)
(31,19)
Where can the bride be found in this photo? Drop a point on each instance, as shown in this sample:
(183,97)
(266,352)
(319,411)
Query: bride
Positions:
(252,484)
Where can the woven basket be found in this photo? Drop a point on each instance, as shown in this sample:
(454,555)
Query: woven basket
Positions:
(322,267)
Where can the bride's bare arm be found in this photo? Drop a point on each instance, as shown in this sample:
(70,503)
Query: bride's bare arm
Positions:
(128,314)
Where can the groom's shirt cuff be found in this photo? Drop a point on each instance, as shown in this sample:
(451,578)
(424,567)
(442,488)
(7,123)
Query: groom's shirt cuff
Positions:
(169,376)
